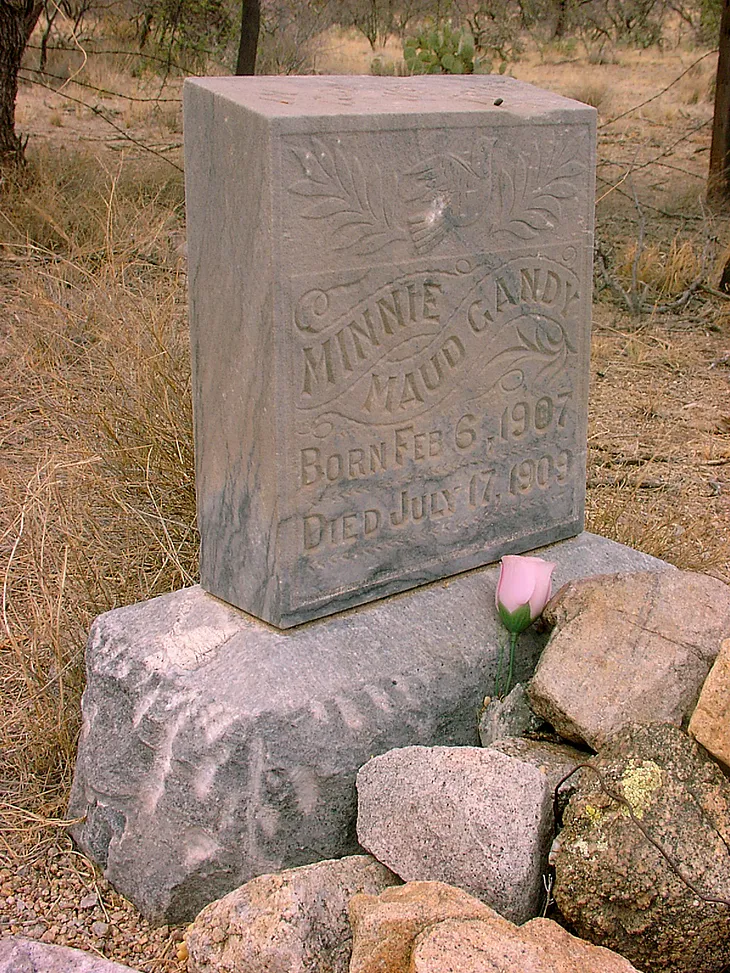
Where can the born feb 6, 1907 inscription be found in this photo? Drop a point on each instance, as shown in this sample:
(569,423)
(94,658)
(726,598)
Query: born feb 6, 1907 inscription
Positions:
(390,286)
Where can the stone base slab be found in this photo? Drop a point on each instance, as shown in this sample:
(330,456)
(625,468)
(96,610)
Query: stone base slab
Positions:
(215,748)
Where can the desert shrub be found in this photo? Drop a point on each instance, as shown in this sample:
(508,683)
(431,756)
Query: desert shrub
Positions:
(288,35)
(189,31)
(496,27)
(708,22)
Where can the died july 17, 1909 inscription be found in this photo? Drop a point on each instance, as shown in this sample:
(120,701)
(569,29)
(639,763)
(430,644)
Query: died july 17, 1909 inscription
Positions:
(390,315)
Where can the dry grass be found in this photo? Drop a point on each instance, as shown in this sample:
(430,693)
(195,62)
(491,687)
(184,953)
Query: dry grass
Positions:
(97,444)
(97,468)
(666,270)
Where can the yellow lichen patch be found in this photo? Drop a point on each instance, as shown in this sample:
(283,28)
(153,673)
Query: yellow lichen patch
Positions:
(593,814)
(639,781)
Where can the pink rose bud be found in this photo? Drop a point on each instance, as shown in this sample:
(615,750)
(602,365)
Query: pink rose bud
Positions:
(523,590)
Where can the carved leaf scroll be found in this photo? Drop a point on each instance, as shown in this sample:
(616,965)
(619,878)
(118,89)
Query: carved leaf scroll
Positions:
(355,202)
(540,344)
(532,190)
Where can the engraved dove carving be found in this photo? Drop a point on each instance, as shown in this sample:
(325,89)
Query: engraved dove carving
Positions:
(450,192)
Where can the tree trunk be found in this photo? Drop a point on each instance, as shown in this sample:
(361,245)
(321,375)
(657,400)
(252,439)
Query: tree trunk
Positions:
(561,20)
(250,21)
(17,20)
(718,182)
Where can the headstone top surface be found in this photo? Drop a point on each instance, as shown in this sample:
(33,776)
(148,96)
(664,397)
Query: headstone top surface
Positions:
(343,95)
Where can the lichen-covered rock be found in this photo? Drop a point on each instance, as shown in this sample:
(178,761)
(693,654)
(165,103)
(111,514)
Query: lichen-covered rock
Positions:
(628,648)
(295,921)
(665,910)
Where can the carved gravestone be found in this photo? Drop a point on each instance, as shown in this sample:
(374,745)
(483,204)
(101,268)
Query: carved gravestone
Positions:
(390,285)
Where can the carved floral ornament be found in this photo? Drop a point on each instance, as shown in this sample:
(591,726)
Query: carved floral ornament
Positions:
(510,191)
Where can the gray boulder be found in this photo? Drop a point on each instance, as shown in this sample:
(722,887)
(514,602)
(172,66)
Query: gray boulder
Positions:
(628,648)
(642,864)
(508,717)
(467,816)
(295,921)
(18,955)
(215,748)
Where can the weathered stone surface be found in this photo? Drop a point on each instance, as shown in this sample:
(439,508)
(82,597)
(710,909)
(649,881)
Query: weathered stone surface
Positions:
(556,761)
(471,817)
(18,955)
(508,717)
(296,921)
(710,722)
(615,887)
(391,387)
(628,648)
(384,927)
(215,748)
(478,946)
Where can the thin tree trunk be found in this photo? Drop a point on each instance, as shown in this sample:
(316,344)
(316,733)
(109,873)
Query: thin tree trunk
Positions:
(17,20)
(250,21)
(560,20)
(718,182)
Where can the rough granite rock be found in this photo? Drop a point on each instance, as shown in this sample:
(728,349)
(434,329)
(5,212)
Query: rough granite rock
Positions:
(478,946)
(615,888)
(710,723)
(296,921)
(555,760)
(18,955)
(508,717)
(385,926)
(628,649)
(475,818)
(215,748)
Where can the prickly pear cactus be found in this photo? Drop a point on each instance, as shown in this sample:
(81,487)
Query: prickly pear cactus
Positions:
(442,50)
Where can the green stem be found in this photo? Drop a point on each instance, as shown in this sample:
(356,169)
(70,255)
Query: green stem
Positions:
(512,647)
(498,676)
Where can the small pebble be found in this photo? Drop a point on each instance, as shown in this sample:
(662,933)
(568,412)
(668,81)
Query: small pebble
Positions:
(64,911)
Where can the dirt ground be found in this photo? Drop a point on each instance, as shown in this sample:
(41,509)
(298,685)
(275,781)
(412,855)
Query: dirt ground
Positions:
(659,426)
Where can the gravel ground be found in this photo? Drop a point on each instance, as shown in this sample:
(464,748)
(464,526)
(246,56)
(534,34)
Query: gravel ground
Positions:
(59,897)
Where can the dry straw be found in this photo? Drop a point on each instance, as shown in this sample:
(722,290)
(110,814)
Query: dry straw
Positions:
(97,447)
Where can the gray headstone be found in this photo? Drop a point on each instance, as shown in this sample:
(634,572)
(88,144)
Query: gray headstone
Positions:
(390,285)
(215,748)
